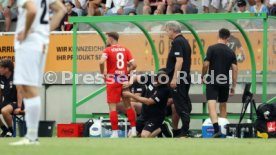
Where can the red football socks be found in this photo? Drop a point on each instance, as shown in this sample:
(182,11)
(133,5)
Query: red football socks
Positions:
(131,117)
(114,120)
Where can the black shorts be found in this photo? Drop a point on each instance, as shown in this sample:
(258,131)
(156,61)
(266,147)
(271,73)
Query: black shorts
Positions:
(148,125)
(218,93)
(13,104)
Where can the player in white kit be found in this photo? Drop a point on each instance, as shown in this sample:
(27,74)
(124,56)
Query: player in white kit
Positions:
(31,40)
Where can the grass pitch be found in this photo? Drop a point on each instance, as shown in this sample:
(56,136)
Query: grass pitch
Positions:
(156,146)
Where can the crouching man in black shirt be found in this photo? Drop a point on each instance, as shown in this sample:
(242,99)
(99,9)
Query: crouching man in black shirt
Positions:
(154,104)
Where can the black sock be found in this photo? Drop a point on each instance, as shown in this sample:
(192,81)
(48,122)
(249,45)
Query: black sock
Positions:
(11,129)
(4,128)
(216,127)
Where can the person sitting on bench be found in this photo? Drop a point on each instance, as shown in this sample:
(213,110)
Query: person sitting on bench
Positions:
(10,100)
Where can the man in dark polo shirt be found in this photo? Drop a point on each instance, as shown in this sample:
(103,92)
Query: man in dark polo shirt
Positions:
(154,102)
(218,62)
(178,69)
(10,101)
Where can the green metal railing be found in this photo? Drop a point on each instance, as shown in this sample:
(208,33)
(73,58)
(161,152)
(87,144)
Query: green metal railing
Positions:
(183,19)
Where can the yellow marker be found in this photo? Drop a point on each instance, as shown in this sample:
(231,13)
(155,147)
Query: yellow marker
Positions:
(262,135)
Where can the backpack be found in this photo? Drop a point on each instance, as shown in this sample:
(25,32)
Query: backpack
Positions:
(267,111)
(266,120)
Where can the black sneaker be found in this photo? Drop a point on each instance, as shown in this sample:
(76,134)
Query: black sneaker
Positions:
(217,135)
(166,131)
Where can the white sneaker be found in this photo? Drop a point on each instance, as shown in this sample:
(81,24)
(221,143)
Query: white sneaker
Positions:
(8,134)
(25,141)
(131,134)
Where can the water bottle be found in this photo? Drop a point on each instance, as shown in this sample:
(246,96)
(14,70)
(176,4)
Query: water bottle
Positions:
(96,129)
(242,132)
(233,132)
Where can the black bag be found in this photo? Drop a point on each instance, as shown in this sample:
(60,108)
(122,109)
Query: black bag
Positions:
(267,111)
(87,126)
(266,121)
(268,127)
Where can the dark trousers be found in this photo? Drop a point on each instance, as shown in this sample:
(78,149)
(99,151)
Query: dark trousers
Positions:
(183,105)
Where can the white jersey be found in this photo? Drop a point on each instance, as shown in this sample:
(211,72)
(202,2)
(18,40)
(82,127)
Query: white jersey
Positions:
(40,26)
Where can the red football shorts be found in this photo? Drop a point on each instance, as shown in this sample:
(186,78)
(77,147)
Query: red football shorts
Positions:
(114,92)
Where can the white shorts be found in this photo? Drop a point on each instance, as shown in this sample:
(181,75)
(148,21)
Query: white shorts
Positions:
(30,58)
(214,3)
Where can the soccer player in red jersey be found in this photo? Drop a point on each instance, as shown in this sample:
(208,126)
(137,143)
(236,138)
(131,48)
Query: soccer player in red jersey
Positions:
(119,63)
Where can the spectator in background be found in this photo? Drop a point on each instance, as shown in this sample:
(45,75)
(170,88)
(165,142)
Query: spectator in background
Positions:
(132,13)
(242,9)
(272,2)
(177,10)
(80,7)
(65,25)
(131,6)
(229,5)
(215,4)
(272,7)
(170,6)
(8,12)
(158,12)
(259,7)
(121,7)
(187,6)
(150,6)
(251,2)
(94,8)
(242,6)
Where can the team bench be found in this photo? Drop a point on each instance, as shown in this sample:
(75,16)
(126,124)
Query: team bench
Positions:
(198,98)
(201,99)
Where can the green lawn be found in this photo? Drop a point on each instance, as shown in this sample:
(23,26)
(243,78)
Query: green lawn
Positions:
(156,146)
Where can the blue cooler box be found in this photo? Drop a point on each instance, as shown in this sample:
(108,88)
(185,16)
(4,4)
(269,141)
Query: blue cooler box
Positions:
(208,129)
